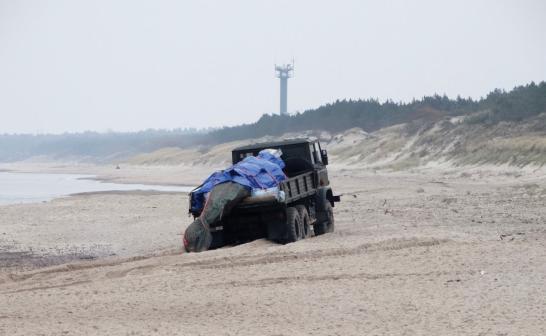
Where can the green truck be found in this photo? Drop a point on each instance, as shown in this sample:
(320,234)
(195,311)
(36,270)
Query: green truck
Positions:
(306,205)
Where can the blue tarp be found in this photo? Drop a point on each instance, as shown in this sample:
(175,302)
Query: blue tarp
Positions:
(254,172)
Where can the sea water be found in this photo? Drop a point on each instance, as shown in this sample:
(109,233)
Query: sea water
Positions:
(37,187)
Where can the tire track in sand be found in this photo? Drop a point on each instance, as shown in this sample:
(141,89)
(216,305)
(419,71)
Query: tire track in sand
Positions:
(386,245)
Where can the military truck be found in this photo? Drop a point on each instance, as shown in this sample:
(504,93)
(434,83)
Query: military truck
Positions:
(306,208)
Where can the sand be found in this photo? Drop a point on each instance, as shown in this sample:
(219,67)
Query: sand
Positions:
(433,252)
(91,226)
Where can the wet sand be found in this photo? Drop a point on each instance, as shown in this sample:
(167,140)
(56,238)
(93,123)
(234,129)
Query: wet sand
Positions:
(428,253)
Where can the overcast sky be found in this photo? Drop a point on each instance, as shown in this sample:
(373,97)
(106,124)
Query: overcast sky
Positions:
(131,65)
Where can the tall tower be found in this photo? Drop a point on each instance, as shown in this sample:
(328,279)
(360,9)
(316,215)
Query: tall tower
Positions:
(284,72)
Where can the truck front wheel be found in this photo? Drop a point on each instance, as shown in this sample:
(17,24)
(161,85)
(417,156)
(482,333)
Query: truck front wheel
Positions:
(325,223)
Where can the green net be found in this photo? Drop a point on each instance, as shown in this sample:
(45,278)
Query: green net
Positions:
(222,198)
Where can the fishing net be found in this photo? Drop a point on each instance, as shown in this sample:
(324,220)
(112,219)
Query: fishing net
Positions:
(222,198)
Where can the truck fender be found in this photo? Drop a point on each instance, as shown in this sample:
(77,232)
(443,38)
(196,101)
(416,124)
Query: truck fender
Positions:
(321,198)
(323,195)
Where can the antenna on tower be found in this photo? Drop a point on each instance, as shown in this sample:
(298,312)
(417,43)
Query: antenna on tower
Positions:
(283,72)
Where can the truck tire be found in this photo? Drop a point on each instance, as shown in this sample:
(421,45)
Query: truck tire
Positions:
(326,223)
(305,227)
(293,225)
(197,237)
(321,199)
(330,214)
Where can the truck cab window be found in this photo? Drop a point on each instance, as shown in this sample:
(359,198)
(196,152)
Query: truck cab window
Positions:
(316,153)
(312,151)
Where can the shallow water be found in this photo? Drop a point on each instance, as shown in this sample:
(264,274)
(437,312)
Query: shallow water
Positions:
(33,187)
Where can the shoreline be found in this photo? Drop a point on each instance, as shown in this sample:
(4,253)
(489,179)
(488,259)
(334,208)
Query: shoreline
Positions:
(177,176)
(39,187)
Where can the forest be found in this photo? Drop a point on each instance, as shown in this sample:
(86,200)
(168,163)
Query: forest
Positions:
(370,115)
(517,104)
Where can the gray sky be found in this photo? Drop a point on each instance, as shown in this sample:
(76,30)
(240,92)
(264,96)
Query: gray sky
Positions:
(130,65)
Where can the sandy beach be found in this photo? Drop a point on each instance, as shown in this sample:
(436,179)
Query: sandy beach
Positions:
(392,152)
(432,252)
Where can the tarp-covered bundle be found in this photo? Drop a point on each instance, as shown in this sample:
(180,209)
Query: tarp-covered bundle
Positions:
(220,201)
(225,189)
(254,172)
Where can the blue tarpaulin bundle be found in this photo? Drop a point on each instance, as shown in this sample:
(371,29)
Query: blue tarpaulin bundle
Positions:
(254,172)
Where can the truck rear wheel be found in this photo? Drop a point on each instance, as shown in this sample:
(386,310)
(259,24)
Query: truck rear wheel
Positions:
(293,225)
(326,221)
(305,227)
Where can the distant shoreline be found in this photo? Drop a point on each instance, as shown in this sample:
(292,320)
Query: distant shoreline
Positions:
(33,187)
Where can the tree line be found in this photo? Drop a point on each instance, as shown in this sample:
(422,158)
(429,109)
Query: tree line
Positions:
(370,114)
(520,103)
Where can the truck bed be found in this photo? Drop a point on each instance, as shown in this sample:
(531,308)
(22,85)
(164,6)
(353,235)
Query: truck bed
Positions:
(299,186)
(294,188)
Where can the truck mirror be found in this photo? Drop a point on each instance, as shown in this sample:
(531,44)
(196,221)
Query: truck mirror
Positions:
(324,156)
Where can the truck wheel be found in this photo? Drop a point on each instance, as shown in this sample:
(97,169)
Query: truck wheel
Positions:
(319,228)
(304,215)
(293,225)
(330,213)
(326,224)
